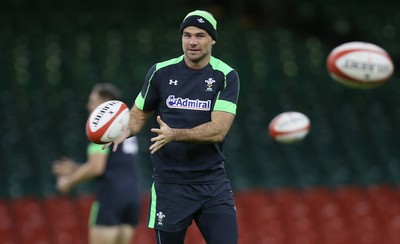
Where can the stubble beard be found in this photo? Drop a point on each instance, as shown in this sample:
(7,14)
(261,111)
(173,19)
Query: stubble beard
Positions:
(197,59)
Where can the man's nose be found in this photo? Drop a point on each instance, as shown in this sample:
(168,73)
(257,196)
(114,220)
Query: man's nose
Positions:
(192,41)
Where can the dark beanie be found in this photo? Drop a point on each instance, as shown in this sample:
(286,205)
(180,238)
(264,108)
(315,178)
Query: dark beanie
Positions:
(201,19)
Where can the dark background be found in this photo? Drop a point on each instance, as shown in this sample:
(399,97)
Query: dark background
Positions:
(52,53)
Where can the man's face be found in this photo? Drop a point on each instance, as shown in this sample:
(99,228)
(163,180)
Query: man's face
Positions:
(196,44)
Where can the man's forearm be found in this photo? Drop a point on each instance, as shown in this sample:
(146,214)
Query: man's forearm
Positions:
(204,133)
(137,120)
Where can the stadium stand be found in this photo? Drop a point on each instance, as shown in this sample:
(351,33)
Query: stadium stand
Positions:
(338,186)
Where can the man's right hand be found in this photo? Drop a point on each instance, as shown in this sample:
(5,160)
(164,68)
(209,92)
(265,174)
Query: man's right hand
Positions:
(125,133)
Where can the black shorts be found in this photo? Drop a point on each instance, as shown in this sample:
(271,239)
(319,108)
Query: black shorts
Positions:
(115,211)
(172,207)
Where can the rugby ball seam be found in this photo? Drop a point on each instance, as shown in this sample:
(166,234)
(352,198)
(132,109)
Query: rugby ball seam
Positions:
(373,65)
(289,127)
(275,132)
(335,69)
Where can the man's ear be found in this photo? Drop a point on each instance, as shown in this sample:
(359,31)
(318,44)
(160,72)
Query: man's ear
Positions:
(213,42)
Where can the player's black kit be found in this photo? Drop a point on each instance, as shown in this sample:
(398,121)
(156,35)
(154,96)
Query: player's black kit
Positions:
(118,189)
(189,178)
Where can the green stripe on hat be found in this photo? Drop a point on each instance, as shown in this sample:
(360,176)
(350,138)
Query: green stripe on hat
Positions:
(205,15)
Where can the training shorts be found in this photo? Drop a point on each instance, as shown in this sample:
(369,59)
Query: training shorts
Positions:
(115,211)
(172,207)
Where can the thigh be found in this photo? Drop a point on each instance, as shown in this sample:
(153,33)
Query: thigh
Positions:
(126,233)
(218,228)
(103,234)
(164,237)
(121,234)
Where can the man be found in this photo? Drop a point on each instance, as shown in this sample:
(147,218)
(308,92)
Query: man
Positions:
(193,98)
(116,210)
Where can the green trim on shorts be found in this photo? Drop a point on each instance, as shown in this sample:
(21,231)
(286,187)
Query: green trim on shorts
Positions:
(94,211)
(152,216)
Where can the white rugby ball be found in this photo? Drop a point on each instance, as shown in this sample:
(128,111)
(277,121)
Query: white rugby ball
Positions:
(289,127)
(106,121)
(360,64)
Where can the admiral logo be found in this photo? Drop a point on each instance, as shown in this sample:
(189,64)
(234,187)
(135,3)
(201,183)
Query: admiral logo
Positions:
(186,103)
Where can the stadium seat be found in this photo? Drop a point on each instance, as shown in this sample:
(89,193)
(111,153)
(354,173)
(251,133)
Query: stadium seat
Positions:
(7,230)
(29,218)
(70,228)
(384,199)
(84,203)
(144,235)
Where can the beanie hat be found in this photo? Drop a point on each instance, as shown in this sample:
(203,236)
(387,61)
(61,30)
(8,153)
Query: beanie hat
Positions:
(201,19)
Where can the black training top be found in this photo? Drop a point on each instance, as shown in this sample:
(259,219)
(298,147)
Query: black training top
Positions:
(121,175)
(185,98)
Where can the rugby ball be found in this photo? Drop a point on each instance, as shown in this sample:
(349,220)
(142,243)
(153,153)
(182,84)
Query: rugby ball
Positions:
(359,64)
(107,121)
(289,127)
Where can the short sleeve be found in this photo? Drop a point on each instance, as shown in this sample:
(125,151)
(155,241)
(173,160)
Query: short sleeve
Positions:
(94,148)
(148,97)
(228,97)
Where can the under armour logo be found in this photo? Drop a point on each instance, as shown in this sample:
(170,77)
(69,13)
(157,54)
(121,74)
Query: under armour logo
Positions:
(173,82)
(201,20)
